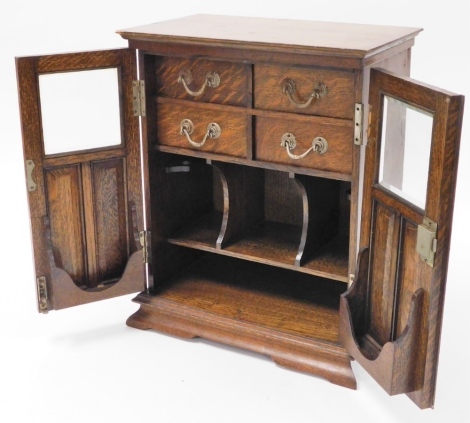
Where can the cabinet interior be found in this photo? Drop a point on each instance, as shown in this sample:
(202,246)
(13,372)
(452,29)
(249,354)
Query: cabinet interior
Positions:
(251,235)
(231,233)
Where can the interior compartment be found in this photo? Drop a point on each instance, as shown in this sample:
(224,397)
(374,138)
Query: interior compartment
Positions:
(190,200)
(291,302)
(279,218)
(327,245)
(303,223)
(276,233)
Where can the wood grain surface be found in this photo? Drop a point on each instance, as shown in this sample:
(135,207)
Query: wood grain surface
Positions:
(336,39)
(85,196)
(234,88)
(268,147)
(235,244)
(403,296)
(65,215)
(232,140)
(383,273)
(338,102)
(305,306)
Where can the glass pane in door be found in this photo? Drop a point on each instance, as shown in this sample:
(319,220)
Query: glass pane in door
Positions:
(405,150)
(80,110)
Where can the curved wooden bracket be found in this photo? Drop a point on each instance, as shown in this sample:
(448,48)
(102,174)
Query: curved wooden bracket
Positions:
(67,294)
(398,367)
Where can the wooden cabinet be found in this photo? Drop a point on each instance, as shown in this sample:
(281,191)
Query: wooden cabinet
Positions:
(245,229)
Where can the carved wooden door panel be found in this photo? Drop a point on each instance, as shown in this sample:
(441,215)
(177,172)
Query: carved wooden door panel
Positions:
(391,315)
(82,159)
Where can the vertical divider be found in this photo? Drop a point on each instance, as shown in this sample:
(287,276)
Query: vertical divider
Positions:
(305,218)
(321,199)
(243,200)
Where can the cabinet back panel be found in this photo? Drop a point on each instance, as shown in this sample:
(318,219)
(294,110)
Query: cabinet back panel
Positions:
(282,199)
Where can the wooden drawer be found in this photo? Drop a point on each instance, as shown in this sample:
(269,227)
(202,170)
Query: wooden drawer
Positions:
(338,157)
(229,83)
(233,128)
(337,101)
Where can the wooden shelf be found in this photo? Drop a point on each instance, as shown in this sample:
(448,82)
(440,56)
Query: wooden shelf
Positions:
(200,233)
(293,303)
(331,258)
(270,243)
(253,163)
(276,242)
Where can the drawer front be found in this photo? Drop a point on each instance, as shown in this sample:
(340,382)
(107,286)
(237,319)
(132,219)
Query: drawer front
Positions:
(208,81)
(229,139)
(337,158)
(296,90)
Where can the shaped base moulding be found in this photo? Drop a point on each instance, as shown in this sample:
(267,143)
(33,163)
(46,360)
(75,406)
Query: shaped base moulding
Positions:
(323,359)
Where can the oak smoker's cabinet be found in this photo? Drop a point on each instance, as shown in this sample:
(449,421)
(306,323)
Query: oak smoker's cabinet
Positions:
(254,134)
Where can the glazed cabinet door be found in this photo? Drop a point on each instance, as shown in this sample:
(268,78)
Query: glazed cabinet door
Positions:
(83,173)
(391,315)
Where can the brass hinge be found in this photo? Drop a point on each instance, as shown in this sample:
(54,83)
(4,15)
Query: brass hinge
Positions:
(30,165)
(144,238)
(42,294)
(426,241)
(138,97)
(358,123)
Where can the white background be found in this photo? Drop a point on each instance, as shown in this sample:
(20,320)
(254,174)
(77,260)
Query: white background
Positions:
(85,365)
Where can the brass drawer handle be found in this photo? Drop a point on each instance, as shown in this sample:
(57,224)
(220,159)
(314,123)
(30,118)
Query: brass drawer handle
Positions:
(288,87)
(187,128)
(319,145)
(186,77)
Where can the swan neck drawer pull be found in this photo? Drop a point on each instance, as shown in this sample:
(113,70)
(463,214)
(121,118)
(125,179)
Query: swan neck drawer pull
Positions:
(186,77)
(288,141)
(288,88)
(187,128)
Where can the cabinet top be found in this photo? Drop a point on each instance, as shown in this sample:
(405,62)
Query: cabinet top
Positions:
(311,37)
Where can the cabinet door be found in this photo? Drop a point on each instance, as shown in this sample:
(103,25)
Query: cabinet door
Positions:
(391,315)
(82,160)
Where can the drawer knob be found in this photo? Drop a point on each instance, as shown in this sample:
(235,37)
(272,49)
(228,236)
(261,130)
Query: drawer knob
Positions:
(288,88)
(186,77)
(288,141)
(187,128)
